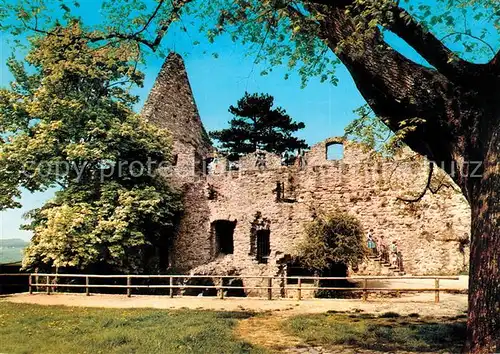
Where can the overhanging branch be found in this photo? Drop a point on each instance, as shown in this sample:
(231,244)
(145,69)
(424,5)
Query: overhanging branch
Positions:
(428,187)
(153,44)
(432,49)
(429,46)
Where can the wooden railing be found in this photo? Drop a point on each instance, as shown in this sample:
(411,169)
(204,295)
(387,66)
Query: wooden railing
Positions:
(51,282)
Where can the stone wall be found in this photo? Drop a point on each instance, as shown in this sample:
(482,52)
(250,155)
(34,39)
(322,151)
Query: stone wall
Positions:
(428,232)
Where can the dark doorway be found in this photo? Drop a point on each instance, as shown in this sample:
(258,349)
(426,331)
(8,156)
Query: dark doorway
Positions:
(236,283)
(224,233)
(205,287)
(295,268)
(336,270)
(263,245)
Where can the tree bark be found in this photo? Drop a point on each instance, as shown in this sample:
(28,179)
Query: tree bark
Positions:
(484,275)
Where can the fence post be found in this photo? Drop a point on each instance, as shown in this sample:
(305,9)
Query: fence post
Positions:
(129,289)
(365,291)
(221,289)
(269,288)
(299,290)
(87,283)
(48,285)
(436,295)
(30,287)
(282,285)
(170,289)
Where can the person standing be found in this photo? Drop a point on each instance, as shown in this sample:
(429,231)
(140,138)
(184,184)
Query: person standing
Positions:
(284,158)
(394,254)
(372,246)
(382,249)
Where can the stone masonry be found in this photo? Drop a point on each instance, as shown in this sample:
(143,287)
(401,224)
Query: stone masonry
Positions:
(225,206)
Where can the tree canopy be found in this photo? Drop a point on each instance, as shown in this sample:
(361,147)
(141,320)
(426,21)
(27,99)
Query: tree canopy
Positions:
(256,125)
(67,121)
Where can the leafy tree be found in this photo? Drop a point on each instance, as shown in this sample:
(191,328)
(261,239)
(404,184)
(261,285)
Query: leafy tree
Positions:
(332,239)
(374,134)
(454,95)
(68,121)
(257,125)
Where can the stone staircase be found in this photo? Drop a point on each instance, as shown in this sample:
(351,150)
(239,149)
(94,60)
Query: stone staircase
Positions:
(390,268)
(376,266)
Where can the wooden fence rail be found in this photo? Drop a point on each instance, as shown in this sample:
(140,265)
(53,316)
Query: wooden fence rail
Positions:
(51,282)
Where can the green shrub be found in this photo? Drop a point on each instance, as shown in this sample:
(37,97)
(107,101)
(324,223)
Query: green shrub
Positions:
(336,238)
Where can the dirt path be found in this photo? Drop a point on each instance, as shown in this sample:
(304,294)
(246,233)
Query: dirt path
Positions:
(450,305)
(266,330)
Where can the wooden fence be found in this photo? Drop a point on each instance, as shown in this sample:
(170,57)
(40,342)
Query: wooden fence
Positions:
(51,282)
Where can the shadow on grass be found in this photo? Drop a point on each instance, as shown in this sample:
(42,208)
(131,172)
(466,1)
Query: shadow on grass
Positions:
(383,333)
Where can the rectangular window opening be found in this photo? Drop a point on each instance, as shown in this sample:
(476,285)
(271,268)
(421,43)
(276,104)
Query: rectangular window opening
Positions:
(263,245)
(224,236)
(335,152)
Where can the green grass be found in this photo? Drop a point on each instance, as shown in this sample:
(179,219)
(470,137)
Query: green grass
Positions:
(386,332)
(55,329)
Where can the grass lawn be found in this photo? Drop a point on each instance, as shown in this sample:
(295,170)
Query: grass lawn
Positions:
(55,329)
(26,328)
(387,332)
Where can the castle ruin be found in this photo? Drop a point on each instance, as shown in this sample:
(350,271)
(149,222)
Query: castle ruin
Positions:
(249,220)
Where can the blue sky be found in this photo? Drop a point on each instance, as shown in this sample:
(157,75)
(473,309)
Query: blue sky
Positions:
(219,82)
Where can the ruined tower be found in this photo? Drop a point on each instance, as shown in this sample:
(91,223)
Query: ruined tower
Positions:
(171,105)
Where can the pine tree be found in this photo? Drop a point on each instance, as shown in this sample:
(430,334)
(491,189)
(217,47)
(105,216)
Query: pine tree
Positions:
(256,125)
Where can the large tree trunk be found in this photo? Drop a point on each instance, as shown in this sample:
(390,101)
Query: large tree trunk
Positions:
(484,276)
(462,126)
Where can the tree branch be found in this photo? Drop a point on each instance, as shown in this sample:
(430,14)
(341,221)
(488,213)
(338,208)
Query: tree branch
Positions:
(427,187)
(495,63)
(396,88)
(471,36)
(429,47)
(137,35)
(432,49)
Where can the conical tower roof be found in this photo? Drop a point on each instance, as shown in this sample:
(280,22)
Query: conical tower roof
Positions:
(171,105)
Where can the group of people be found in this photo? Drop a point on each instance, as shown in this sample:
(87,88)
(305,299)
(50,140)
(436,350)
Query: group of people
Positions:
(390,254)
(213,162)
(287,159)
(299,159)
